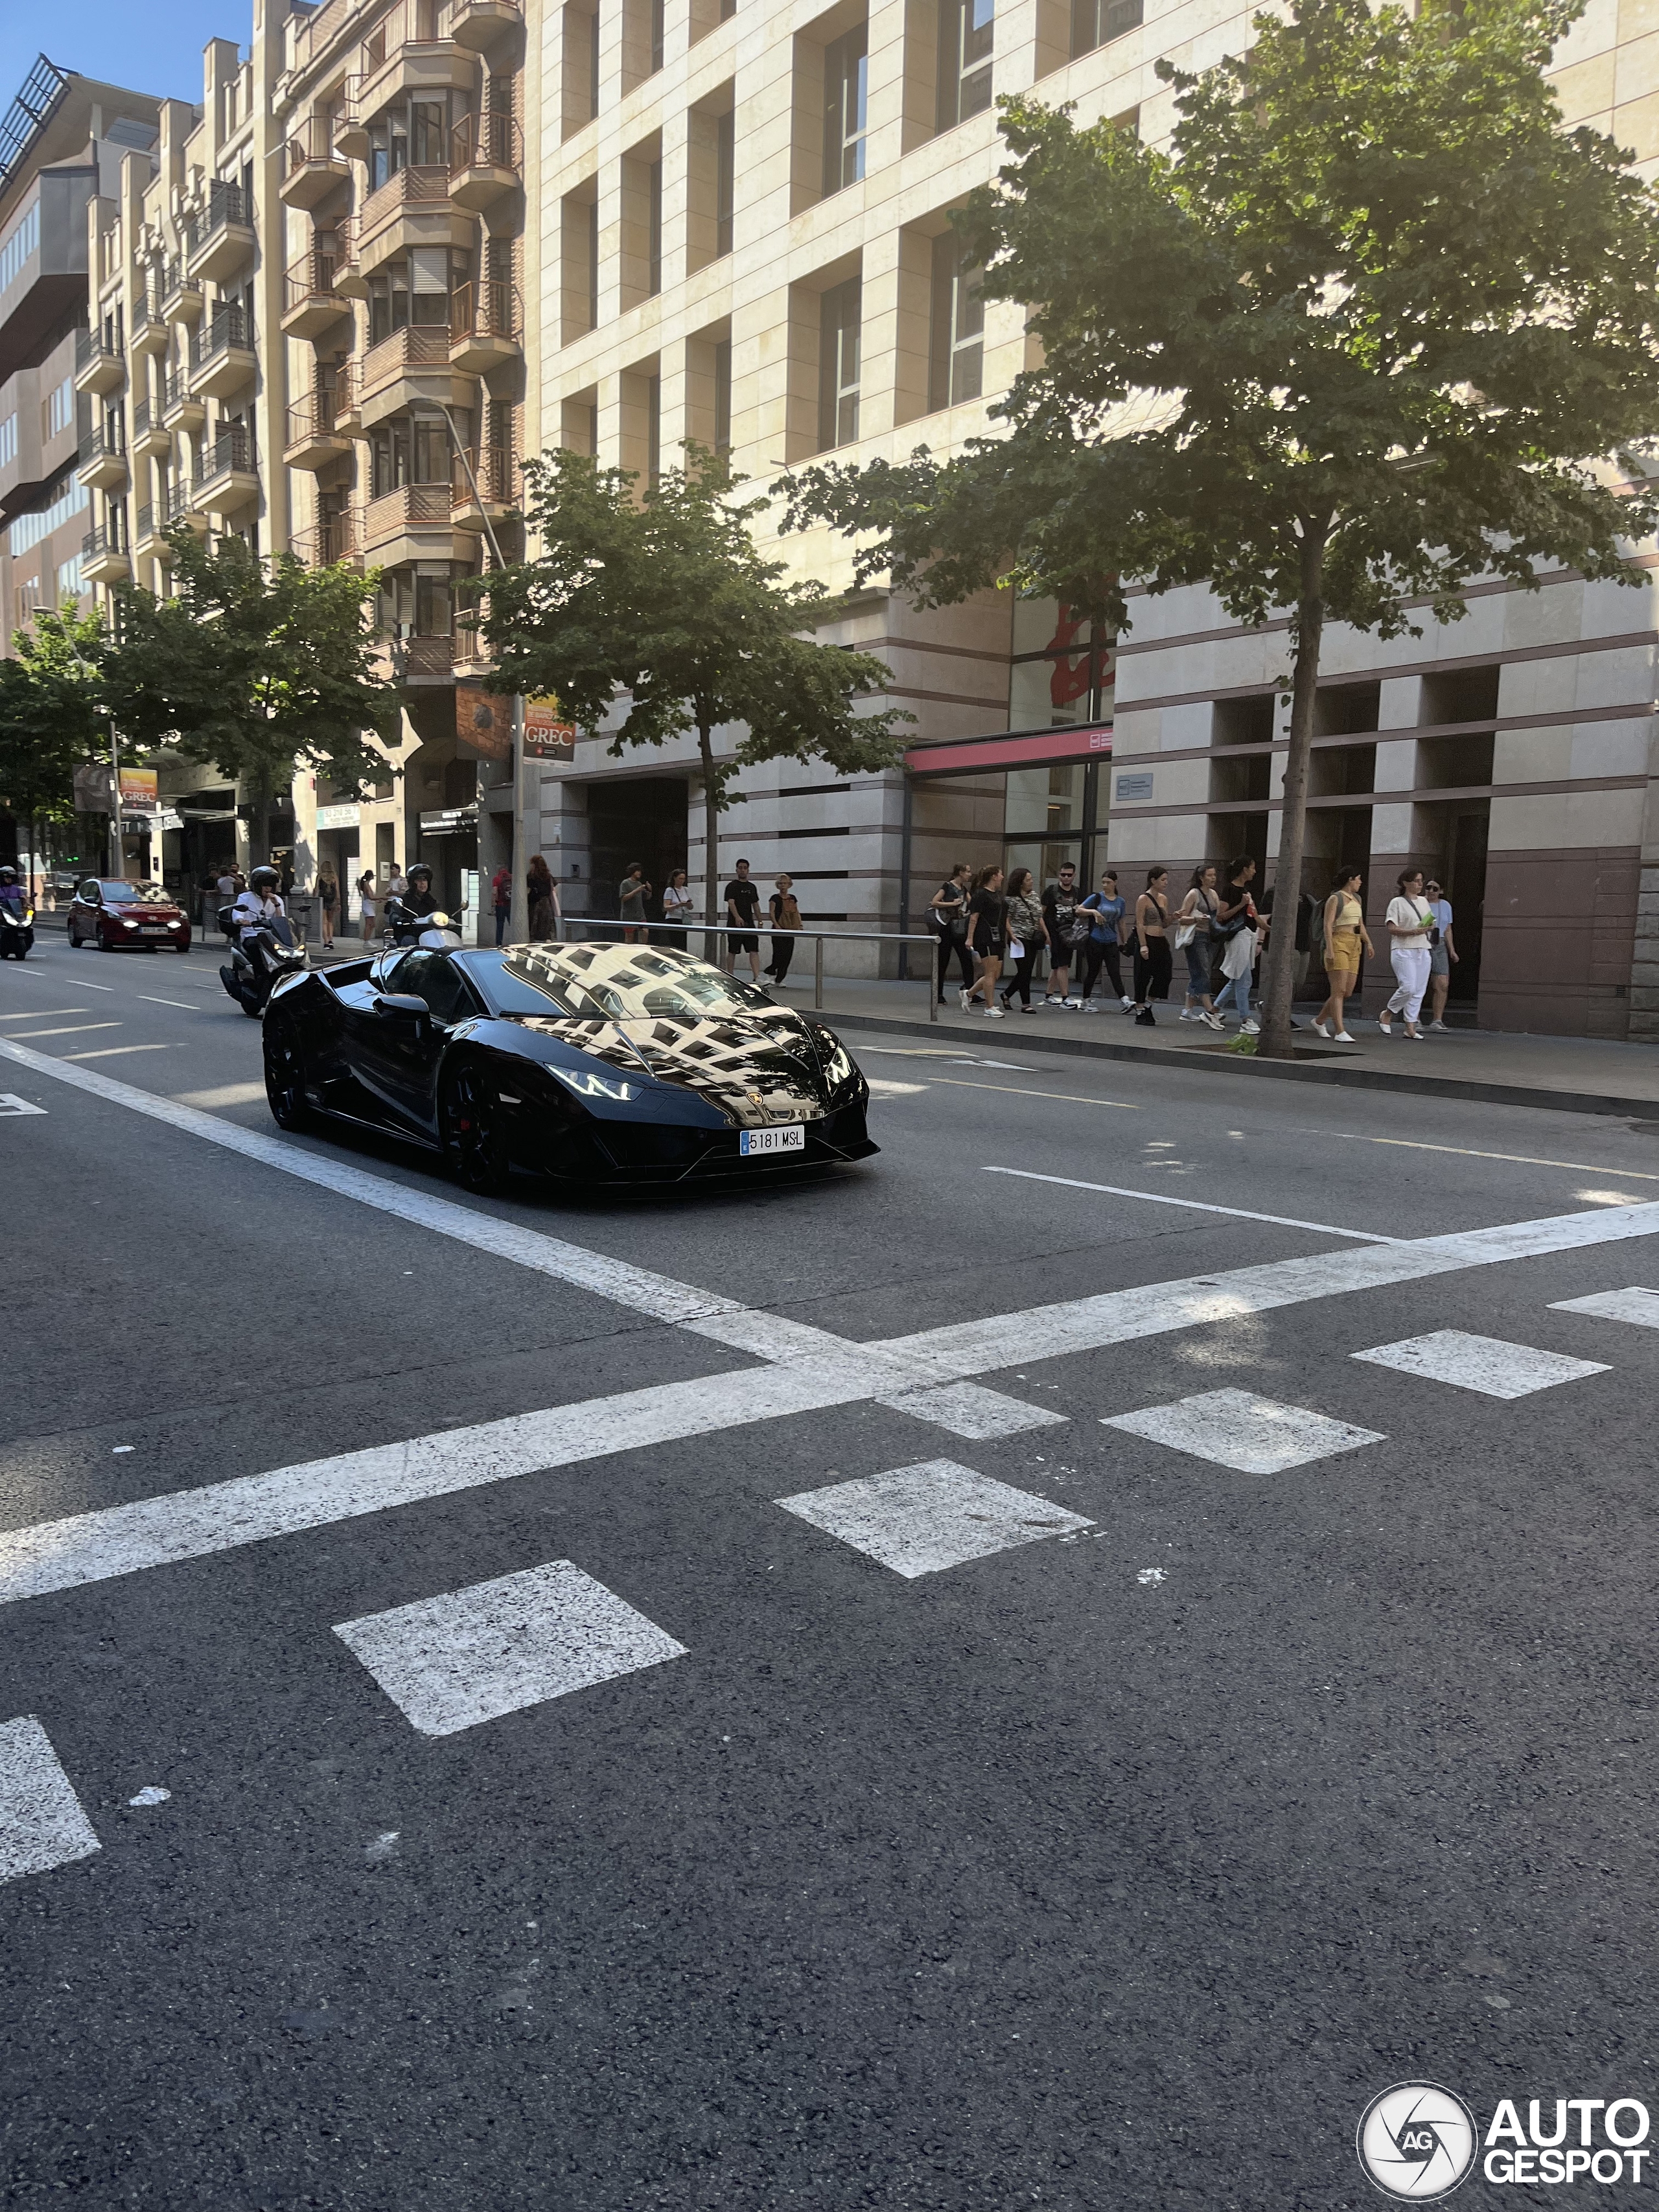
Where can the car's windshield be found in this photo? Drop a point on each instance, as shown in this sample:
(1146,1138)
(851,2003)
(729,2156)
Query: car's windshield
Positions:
(611,982)
(134,895)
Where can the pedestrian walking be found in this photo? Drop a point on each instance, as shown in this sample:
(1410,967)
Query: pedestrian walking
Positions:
(742,912)
(1344,934)
(542,896)
(501,895)
(1067,936)
(328,895)
(677,903)
(786,927)
(1409,921)
(1194,937)
(1153,962)
(631,895)
(366,905)
(1235,925)
(947,912)
(986,941)
(1443,954)
(398,884)
(1027,931)
(1106,910)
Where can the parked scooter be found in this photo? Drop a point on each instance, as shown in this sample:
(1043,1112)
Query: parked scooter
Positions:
(264,952)
(16,931)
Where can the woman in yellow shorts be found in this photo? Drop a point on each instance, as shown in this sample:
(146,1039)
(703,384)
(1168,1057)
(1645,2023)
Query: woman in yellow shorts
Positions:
(1344,933)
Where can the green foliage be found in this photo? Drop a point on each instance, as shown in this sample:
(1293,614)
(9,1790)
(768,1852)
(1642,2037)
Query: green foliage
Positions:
(255,668)
(51,713)
(1371,328)
(665,596)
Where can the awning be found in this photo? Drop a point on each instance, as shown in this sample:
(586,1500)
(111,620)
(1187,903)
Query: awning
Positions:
(1008,749)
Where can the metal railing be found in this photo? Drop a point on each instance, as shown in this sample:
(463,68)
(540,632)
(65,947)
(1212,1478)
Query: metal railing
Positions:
(496,474)
(227,207)
(230,330)
(489,310)
(490,140)
(231,452)
(573,927)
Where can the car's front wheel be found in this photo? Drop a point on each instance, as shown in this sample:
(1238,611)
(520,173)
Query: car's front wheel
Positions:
(285,1076)
(475,1131)
(76,939)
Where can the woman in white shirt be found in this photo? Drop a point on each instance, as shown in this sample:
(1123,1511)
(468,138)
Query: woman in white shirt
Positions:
(677,905)
(1409,920)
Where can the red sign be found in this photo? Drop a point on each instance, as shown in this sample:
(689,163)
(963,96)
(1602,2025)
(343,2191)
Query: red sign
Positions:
(974,755)
(547,735)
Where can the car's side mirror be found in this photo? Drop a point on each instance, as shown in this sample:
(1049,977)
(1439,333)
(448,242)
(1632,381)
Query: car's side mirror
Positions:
(402,1006)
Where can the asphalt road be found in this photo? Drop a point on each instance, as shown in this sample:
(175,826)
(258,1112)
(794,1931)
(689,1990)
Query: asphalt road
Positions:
(1119,1865)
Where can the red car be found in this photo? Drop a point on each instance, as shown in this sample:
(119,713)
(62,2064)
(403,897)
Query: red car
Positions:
(140,916)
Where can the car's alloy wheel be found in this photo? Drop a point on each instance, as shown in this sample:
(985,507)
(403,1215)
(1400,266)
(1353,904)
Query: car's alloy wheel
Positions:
(285,1077)
(75,939)
(474,1130)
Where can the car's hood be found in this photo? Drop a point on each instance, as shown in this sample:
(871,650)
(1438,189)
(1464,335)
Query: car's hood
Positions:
(758,1068)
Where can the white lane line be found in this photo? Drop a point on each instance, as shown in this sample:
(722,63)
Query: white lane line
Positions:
(226,1093)
(42,1822)
(1468,1153)
(472,1654)
(183,1005)
(1198,1206)
(120,1539)
(1487,1364)
(121,1051)
(1236,1428)
(74,1029)
(44,1013)
(919,1520)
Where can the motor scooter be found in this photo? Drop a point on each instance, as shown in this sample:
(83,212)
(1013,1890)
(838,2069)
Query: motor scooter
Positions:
(436,930)
(262,954)
(16,931)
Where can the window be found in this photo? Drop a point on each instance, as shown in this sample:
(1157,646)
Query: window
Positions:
(1097,22)
(414,135)
(654,228)
(70,585)
(1064,669)
(57,410)
(21,242)
(726,168)
(26,599)
(956,336)
(593,263)
(845,88)
(70,498)
(658,27)
(965,33)
(838,365)
(723,396)
(8,439)
(435,977)
(653,428)
(416,604)
(416,289)
(414,450)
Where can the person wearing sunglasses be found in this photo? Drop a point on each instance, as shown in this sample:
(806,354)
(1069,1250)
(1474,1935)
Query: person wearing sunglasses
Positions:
(1442,954)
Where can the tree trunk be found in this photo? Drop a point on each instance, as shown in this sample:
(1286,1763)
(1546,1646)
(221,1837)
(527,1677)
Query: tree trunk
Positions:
(259,830)
(711,835)
(1278,968)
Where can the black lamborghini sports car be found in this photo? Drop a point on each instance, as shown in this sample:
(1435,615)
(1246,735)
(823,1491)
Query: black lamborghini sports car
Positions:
(589,1063)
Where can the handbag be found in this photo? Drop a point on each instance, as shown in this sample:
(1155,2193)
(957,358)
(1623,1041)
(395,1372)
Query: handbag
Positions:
(1184,935)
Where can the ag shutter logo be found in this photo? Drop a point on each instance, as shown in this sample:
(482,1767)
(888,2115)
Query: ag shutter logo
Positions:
(1417,2141)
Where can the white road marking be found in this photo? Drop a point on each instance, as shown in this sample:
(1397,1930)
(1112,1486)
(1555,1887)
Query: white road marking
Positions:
(1635,1304)
(228,1094)
(44,1013)
(74,1029)
(969,1410)
(151,1794)
(12,1105)
(1195,1205)
(42,1822)
(472,1654)
(919,1520)
(119,1051)
(880,1088)
(1468,1153)
(183,1005)
(1485,1363)
(1236,1428)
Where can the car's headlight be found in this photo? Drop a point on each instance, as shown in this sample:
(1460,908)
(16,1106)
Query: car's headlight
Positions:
(586,1084)
(838,1067)
(175,925)
(125,924)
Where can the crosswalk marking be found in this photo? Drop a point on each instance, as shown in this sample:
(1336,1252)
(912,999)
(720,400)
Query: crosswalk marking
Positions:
(919,1520)
(969,1410)
(1635,1305)
(472,1654)
(42,1822)
(1486,1364)
(1239,1429)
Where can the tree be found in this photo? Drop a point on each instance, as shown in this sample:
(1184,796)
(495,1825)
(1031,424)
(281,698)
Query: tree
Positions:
(255,668)
(50,714)
(665,598)
(1364,333)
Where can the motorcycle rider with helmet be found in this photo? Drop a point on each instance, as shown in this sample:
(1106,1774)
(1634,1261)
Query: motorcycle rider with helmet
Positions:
(11,891)
(261,901)
(413,904)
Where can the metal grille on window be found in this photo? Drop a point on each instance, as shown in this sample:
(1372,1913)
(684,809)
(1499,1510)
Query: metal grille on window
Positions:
(846,90)
(956,350)
(967,28)
(838,365)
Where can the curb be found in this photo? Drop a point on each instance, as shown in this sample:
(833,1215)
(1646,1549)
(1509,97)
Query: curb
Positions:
(1344,1075)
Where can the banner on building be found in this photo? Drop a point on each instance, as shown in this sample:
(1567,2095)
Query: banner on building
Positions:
(141,786)
(484,722)
(547,735)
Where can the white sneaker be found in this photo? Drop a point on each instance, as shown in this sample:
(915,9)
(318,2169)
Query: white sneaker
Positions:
(1320,1029)
(1342,1037)
(1189,1014)
(995,1014)
(1090,1007)
(1126,1005)
(965,1002)
(1436,1025)
(1213,1022)
(1249,1029)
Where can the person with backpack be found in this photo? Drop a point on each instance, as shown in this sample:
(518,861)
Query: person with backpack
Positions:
(1105,909)
(1235,925)
(1066,935)
(1028,934)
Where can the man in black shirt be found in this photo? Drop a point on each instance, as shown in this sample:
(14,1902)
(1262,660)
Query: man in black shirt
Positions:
(1059,912)
(742,906)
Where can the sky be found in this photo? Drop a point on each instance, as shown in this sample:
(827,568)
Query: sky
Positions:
(148,47)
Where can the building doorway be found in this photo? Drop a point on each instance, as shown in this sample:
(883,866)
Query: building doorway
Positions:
(634,818)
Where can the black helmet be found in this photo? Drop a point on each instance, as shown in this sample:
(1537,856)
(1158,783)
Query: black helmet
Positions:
(262,879)
(420,868)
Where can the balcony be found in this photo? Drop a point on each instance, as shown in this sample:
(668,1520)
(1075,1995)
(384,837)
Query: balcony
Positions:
(412,365)
(490,488)
(221,356)
(98,366)
(182,506)
(486,327)
(414,524)
(351,124)
(413,67)
(228,479)
(334,540)
(312,164)
(312,301)
(149,328)
(314,438)
(481,25)
(151,439)
(221,238)
(181,408)
(486,159)
(411,208)
(147,539)
(424,661)
(104,554)
(104,459)
(181,296)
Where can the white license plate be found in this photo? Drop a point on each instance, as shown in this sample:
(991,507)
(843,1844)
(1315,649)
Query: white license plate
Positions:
(793,1139)
(157,929)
